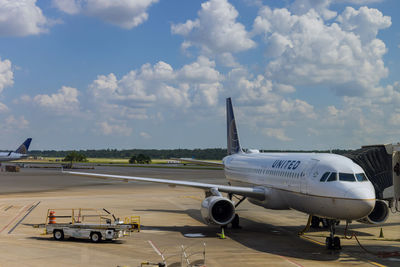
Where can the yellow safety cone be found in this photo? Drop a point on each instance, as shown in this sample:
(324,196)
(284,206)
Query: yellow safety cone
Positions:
(222,234)
(381,233)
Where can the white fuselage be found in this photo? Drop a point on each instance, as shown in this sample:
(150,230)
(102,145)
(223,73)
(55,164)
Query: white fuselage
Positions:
(293,181)
(7,156)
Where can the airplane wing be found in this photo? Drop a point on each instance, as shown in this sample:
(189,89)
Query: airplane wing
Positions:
(201,162)
(253,192)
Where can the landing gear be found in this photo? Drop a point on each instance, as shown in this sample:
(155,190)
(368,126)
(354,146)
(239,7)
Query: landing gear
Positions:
(332,241)
(317,221)
(235,222)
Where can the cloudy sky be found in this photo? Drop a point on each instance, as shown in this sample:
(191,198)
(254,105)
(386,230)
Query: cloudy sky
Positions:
(303,74)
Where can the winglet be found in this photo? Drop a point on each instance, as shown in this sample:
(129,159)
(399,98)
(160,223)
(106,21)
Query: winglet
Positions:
(232,133)
(23,149)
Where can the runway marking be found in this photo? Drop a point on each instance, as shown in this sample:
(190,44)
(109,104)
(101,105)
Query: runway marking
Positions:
(376,264)
(154,247)
(23,218)
(9,207)
(23,209)
(290,261)
(312,240)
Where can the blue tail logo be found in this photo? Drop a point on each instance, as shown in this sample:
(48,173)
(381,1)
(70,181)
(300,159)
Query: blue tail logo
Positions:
(23,149)
(232,134)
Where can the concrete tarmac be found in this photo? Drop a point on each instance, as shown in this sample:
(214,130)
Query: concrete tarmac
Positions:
(268,237)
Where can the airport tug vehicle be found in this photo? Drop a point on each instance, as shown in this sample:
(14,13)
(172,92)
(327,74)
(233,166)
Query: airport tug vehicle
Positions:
(93,224)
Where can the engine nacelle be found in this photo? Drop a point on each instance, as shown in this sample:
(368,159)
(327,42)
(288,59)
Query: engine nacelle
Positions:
(379,214)
(217,210)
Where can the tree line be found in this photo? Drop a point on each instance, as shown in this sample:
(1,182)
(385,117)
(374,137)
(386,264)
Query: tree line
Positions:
(207,153)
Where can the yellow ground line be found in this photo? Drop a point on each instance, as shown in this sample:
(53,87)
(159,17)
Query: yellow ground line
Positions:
(377,264)
(312,240)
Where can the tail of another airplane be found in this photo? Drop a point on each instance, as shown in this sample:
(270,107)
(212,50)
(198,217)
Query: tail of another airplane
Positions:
(23,149)
(232,134)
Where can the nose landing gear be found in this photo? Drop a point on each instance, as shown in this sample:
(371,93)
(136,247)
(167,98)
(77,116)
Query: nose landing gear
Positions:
(332,241)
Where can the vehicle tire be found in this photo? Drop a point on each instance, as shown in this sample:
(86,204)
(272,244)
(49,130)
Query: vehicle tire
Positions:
(336,243)
(58,235)
(95,237)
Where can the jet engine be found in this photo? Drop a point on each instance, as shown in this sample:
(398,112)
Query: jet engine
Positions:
(217,210)
(378,215)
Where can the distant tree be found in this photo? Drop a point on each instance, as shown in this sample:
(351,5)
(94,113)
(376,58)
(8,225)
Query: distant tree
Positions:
(75,156)
(143,159)
(133,159)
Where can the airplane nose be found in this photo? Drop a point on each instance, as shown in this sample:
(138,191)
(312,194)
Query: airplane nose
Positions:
(360,193)
(364,201)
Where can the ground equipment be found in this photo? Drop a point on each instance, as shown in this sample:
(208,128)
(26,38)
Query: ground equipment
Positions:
(93,224)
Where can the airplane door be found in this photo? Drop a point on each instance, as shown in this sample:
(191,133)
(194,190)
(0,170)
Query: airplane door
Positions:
(308,172)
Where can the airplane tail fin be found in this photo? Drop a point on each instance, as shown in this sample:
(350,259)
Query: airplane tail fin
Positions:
(232,133)
(23,149)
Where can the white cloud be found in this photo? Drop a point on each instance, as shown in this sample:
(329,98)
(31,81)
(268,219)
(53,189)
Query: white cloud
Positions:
(285,88)
(277,133)
(156,87)
(22,18)
(263,107)
(395,119)
(301,7)
(65,100)
(365,22)
(145,135)
(358,2)
(216,30)
(6,79)
(3,108)
(115,129)
(12,123)
(126,14)
(332,110)
(70,7)
(6,74)
(305,50)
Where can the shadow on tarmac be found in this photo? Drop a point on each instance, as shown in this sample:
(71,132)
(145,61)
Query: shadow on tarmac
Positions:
(79,240)
(279,240)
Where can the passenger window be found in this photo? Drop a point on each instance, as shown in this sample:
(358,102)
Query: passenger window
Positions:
(347,177)
(323,178)
(361,177)
(332,177)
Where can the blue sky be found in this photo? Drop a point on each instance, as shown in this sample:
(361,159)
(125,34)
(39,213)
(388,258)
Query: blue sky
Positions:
(303,74)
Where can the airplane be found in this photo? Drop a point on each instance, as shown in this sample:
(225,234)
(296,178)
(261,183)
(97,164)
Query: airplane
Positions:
(20,153)
(321,185)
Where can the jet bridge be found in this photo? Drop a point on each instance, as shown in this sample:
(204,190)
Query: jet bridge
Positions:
(381,163)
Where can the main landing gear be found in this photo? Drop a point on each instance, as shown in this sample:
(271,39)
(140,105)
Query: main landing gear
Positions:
(316,222)
(235,221)
(332,241)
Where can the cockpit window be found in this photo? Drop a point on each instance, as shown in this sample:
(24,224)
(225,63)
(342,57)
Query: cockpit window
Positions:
(347,177)
(323,178)
(361,177)
(332,177)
